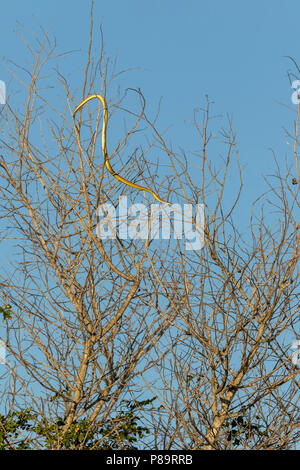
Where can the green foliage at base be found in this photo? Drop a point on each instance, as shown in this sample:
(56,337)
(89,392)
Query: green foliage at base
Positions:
(6,312)
(240,431)
(22,431)
(13,429)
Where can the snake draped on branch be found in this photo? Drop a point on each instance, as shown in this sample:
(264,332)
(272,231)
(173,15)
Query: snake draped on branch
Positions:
(104,149)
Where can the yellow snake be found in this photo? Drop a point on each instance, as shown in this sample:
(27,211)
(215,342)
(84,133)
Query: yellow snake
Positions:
(104,150)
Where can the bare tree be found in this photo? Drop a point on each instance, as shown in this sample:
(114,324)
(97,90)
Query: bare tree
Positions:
(81,325)
(206,331)
(231,379)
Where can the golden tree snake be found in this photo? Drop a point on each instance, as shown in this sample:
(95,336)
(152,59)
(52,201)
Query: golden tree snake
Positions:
(104,149)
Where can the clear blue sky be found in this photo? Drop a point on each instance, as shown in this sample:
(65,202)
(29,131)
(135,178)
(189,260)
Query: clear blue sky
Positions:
(233,51)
